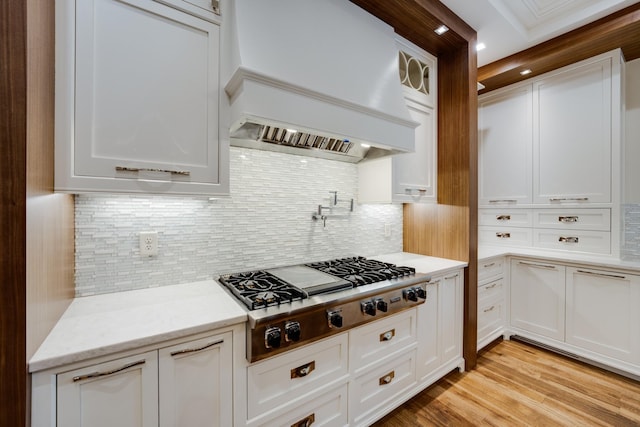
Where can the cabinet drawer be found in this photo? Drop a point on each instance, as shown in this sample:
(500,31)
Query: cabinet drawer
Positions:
(490,268)
(491,290)
(329,409)
(574,240)
(373,389)
(506,236)
(577,219)
(379,340)
(505,217)
(282,379)
(491,318)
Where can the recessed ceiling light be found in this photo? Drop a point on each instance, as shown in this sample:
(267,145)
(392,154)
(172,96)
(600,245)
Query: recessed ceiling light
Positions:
(441,30)
(525,72)
(480,46)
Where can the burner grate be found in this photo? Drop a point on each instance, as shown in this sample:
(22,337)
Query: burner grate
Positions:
(261,289)
(362,271)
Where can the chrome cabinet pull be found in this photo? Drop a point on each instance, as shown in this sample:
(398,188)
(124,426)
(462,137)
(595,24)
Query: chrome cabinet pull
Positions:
(306,422)
(613,276)
(215,6)
(172,172)
(387,336)
(386,379)
(489,265)
(451,277)
(568,219)
(568,199)
(503,235)
(503,217)
(486,310)
(104,374)
(304,370)
(503,201)
(529,264)
(564,239)
(194,350)
(493,285)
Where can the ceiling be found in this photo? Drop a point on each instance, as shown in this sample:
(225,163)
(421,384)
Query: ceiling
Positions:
(510,26)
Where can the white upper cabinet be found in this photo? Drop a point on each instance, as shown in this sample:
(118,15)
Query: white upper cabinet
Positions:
(505,139)
(409,177)
(137,99)
(573,134)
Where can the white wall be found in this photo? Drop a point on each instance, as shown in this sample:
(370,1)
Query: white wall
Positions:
(266,222)
(632,134)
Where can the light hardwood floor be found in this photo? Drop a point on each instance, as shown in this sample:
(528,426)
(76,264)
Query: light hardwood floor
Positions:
(517,384)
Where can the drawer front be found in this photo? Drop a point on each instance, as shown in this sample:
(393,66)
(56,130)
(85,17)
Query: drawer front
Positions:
(574,240)
(576,219)
(292,376)
(505,236)
(373,389)
(505,217)
(491,318)
(490,268)
(492,290)
(379,340)
(328,409)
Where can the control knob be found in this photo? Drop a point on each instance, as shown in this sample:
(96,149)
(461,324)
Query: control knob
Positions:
(368,307)
(272,337)
(410,295)
(421,292)
(381,305)
(292,331)
(335,318)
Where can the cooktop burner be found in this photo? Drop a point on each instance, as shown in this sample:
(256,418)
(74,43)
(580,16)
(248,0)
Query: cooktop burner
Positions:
(259,289)
(362,271)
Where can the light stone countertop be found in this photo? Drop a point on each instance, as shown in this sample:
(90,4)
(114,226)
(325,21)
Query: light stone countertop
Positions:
(99,325)
(422,264)
(593,260)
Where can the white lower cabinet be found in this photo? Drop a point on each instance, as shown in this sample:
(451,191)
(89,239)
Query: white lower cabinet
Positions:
(121,392)
(603,312)
(186,384)
(491,300)
(537,297)
(585,311)
(440,328)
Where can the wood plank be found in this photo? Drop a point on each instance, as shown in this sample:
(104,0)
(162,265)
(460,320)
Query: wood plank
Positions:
(519,384)
(618,30)
(13,113)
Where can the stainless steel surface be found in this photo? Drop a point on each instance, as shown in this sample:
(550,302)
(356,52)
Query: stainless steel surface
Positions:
(195,350)
(568,219)
(613,276)
(173,172)
(111,372)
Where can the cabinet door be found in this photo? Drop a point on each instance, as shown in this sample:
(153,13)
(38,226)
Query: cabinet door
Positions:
(537,298)
(572,135)
(603,312)
(450,294)
(196,383)
(428,326)
(414,174)
(123,392)
(143,100)
(505,140)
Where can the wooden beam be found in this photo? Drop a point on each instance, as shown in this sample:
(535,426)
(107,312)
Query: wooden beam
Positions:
(618,30)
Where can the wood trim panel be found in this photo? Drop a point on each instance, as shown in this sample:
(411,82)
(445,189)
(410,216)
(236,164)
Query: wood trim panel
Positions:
(618,30)
(13,112)
(50,217)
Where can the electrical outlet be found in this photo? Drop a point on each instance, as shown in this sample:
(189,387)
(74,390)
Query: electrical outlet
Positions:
(148,243)
(387,230)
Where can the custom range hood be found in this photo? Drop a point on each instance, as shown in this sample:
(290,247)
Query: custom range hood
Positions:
(314,77)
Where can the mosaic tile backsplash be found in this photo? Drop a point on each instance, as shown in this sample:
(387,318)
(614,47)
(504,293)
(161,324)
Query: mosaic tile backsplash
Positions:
(630,250)
(265,223)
